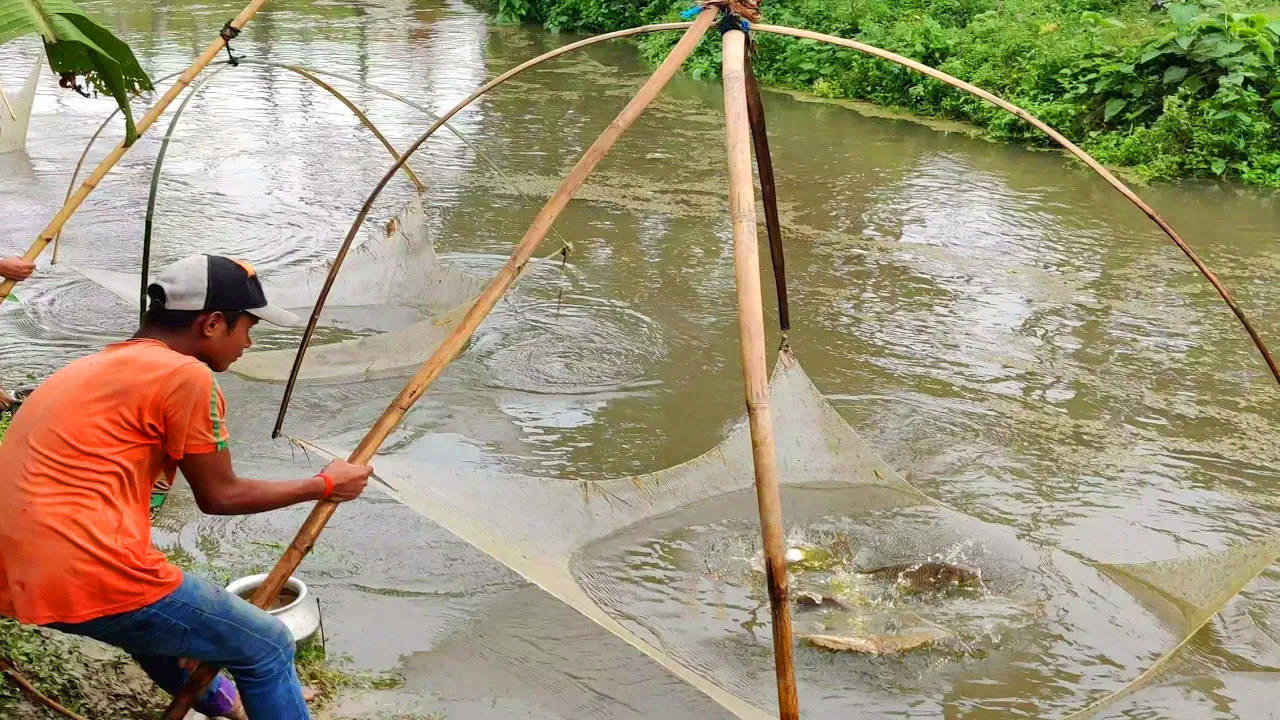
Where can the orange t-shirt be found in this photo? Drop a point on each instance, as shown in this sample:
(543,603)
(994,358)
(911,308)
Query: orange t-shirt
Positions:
(76,470)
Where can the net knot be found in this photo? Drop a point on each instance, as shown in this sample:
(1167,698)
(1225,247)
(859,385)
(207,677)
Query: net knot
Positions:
(228,33)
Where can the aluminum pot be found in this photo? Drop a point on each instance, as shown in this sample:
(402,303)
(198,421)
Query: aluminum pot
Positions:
(301,615)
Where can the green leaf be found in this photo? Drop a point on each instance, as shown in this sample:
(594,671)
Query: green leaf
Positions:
(1114,23)
(1275,28)
(1183,13)
(1152,54)
(1113,106)
(1185,41)
(1275,108)
(1174,74)
(76,44)
(1231,80)
(1218,166)
(1267,49)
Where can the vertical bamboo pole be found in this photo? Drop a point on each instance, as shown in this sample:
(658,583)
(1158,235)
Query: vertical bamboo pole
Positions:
(755,372)
(444,354)
(46,236)
(768,191)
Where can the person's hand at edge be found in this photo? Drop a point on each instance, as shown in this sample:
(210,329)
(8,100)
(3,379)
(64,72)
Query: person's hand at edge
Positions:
(16,268)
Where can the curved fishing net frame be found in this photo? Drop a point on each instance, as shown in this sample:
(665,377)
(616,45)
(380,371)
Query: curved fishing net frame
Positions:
(423,280)
(871,50)
(311,74)
(554,523)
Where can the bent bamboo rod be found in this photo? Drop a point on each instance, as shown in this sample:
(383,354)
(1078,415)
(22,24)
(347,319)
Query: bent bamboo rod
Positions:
(341,256)
(755,369)
(71,185)
(46,236)
(420,108)
(155,184)
(75,174)
(768,189)
(364,119)
(449,349)
(173,124)
(5,99)
(1057,137)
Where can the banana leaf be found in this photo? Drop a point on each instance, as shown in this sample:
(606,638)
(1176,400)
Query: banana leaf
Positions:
(77,45)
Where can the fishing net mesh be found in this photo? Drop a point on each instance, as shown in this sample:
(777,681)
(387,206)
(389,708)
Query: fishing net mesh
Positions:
(669,561)
(396,268)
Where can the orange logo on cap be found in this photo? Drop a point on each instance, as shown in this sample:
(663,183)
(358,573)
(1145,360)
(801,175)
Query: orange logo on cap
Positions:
(247,267)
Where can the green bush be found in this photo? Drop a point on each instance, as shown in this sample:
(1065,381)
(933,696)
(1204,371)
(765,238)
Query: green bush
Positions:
(1189,90)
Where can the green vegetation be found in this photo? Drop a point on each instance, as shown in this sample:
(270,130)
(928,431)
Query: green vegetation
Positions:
(1190,89)
(77,45)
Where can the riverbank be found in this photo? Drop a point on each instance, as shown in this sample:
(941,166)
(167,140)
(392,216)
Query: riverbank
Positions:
(1187,90)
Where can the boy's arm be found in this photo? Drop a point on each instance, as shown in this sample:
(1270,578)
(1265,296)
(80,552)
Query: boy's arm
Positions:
(219,491)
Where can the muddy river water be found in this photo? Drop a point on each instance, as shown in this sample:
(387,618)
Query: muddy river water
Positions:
(1005,329)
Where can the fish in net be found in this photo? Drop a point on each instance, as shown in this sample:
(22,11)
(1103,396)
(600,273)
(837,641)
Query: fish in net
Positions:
(669,563)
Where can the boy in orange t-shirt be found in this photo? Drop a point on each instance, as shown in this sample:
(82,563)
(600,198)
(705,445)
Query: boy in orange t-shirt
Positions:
(80,460)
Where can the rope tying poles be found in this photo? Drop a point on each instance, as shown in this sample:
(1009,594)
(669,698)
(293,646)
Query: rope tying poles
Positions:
(746,10)
(228,33)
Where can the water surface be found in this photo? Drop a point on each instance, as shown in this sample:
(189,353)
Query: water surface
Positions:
(1002,326)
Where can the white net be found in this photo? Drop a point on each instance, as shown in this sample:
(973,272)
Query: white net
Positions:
(397,268)
(669,562)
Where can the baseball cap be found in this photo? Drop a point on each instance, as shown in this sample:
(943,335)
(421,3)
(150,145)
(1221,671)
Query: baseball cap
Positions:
(213,282)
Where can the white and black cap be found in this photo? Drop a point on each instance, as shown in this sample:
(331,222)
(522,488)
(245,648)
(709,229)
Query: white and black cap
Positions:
(205,283)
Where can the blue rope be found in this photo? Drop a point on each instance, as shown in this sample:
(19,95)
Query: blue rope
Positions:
(728,21)
(691,13)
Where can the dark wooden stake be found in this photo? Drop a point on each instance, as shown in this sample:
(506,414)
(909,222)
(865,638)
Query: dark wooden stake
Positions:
(768,191)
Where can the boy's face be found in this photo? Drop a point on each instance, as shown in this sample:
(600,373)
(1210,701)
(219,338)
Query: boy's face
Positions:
(223,343)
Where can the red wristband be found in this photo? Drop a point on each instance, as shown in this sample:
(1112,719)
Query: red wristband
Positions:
(328,485)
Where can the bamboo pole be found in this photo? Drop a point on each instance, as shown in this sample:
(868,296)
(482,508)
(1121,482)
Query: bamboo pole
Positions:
(343,249)
(444,354)
(755,372)
(1059,138)
(46,236)
(768,190)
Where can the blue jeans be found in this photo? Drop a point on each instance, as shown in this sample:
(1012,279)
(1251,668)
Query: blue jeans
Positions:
(202,621)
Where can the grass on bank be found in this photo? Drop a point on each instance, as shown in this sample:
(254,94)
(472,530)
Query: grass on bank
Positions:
(1169,89)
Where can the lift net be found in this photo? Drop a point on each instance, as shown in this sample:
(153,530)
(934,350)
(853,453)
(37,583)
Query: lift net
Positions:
(398,268)
(670,563)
